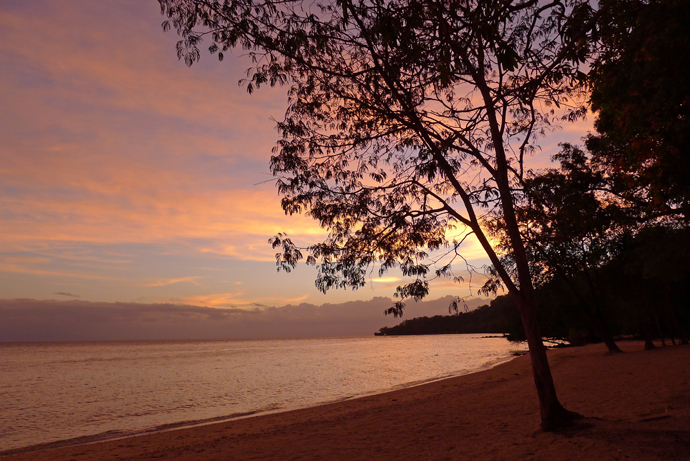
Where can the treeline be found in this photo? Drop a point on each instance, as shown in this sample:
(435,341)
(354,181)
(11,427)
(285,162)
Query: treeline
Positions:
(492,318)
(643,293)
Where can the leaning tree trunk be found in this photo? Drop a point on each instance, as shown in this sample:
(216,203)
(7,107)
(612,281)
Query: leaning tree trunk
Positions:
(553,415)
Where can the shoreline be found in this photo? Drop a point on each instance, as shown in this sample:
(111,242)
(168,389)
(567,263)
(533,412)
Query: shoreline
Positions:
(636,404)
(123,434)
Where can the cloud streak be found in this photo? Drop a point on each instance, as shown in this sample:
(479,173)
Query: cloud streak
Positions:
(166,282)
(70,295)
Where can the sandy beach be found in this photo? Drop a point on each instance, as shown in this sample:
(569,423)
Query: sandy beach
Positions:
(636,407)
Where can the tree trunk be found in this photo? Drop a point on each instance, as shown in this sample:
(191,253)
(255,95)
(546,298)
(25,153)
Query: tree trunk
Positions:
(681,330)
(599,320)
(553,415)
(658,328)
(648,344)
(611,344)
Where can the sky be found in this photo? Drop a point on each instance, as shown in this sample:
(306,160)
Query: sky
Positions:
(128,178)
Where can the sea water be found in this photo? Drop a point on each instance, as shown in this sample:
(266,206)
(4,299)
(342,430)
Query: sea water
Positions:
(59,391)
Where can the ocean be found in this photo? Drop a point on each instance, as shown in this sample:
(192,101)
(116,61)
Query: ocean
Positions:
(85,391)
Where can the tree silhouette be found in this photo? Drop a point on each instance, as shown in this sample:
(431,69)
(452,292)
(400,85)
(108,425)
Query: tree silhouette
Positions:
(641,93)
(652,279)
(408,122)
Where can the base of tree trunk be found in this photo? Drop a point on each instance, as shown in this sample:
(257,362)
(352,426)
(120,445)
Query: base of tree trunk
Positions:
(559,419)
(612,347)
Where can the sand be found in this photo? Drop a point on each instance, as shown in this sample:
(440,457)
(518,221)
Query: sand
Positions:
(637,407)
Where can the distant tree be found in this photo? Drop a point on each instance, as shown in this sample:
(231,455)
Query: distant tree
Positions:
(407,120)
(641,95)
(652,278)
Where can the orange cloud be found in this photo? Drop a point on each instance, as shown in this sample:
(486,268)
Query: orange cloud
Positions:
(238,299)
(21,269)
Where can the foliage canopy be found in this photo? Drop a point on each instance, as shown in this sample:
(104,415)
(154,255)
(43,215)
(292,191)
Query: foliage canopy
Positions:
(409,121)
(406,118)
(641,93)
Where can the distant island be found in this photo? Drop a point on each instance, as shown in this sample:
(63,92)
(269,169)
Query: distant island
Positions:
(491,318)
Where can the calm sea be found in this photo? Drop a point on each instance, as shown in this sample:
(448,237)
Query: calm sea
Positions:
(59,391)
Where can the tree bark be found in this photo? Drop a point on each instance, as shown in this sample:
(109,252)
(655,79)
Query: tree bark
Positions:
(553,414)
(611,344)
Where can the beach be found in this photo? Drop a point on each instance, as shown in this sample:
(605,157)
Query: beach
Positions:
(636,406)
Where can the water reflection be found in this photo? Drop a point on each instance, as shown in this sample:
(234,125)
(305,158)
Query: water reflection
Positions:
(63,390)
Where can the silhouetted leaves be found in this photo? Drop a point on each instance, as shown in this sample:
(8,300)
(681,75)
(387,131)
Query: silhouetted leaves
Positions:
(641,92)
(404,116)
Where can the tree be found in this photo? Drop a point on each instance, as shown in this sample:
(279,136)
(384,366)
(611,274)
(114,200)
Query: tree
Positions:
(407,121)
(652,279)
(641,93)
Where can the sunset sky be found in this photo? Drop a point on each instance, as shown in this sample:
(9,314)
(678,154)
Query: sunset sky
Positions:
(128,177)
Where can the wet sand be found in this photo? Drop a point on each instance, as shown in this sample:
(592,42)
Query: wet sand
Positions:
(636,407)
